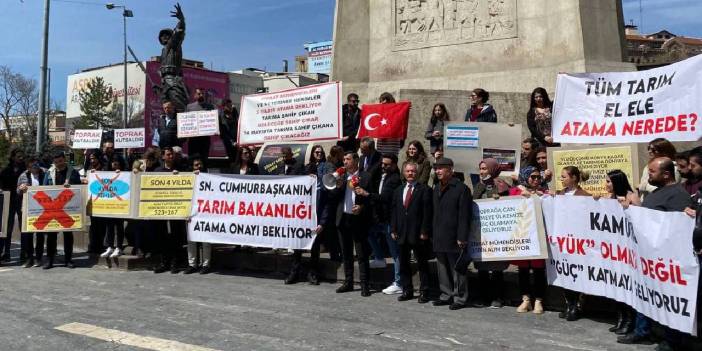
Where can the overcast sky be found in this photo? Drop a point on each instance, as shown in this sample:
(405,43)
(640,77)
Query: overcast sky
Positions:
(225,34)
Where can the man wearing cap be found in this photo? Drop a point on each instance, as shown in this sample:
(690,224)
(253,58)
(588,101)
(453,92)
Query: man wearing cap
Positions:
(60,174)
(452,204)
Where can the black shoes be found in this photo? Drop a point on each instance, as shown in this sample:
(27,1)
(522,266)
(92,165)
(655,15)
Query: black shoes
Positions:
(312,278)
(292,277)
(29,263)
(205,270)
(190,270)
(162,268)
(70,264)
(441,303)
(49,264)
(346,287)
(406,295)
(423,298)
(572,313)
(365,290)
(457,306)
(633,339)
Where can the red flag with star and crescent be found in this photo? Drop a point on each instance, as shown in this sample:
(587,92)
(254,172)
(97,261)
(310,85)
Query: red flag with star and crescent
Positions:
(384,121)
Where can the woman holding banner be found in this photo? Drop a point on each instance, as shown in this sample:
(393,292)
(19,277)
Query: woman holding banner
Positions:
(532,186)
(490,276)
(571,177)
(618,187)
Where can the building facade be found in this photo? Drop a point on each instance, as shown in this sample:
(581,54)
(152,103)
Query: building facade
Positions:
(658,49)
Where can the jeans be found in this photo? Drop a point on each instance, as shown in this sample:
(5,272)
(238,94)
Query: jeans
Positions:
(539,289)
(114,225)
(382,232)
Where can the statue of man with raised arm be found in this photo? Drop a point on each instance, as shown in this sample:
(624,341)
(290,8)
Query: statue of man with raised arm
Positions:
(172,85)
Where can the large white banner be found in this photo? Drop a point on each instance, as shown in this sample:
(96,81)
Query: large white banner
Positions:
(630,106)
(311,113)
(261,211)
(638,256)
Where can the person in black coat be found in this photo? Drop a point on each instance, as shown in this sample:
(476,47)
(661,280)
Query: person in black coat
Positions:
(172,234)
(290,164)
(200,146)
(452,204)
(353,220)
(410,224)
(167,130)
(381,201)
(370,159)
(245,163)
(351,121)
(8,180)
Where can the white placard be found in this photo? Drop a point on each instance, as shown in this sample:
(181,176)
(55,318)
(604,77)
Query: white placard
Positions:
(130,138)
(198,123)
(311,113)
(87,139)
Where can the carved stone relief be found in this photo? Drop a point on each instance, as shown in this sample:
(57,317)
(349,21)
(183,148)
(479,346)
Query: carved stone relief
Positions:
(424,23)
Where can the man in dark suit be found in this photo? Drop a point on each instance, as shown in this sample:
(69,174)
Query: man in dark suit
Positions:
(452,204)
(381,199)
(353,220)
(290,164)
(411,228)
(370,158)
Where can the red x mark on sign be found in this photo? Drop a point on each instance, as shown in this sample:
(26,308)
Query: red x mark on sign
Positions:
(106,188)
(53,209)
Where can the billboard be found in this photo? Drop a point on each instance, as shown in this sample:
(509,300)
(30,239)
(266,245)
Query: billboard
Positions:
(144,105)
(319,57)
(113,77)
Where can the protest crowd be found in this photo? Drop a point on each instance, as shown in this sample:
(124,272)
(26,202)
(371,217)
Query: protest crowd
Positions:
(392,198)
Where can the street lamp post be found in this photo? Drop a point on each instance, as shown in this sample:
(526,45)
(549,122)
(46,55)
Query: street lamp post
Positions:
(42,81)
(125,13)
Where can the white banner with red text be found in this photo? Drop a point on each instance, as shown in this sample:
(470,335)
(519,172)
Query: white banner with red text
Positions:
(263,211)
(637,256)
(311,113)
(630,107)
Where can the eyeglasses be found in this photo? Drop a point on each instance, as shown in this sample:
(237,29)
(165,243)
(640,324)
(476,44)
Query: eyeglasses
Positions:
(535,177)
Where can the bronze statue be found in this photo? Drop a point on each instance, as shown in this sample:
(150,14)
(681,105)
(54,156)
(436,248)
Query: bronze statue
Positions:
(172,85)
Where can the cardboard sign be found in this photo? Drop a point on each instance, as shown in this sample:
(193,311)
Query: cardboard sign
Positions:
(510,228)
(467,143)
(198,123)
(4,213)
(87,139)
(164,196)
(53,209)
(111,194)
(270,158)
(130,138)
(598,160)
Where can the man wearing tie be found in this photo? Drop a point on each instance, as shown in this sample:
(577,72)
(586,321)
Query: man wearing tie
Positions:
(411,229)
(353,220)
(452,215)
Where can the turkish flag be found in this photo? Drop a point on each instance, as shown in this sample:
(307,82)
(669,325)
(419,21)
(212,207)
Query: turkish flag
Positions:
(384,121)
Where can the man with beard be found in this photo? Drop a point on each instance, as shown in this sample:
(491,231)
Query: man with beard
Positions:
(351,121)
(690,182)
(670,197)
(200,146)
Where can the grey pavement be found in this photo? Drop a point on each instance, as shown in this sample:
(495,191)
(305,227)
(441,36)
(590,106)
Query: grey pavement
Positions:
(240,311)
